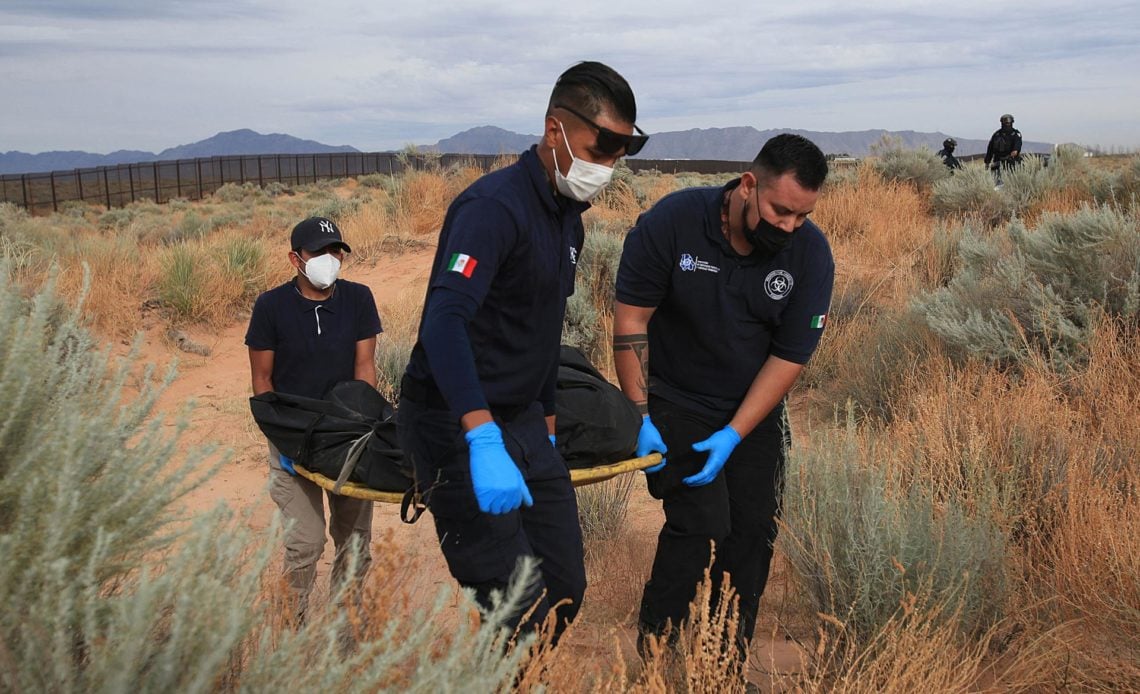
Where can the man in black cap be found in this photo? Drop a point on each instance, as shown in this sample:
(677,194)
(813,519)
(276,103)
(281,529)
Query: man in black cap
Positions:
(304,337)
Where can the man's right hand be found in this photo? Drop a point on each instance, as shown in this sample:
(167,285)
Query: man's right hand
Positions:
(499,486)
(649,441)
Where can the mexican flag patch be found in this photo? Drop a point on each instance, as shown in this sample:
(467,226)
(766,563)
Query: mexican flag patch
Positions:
(462,263)
(818,321)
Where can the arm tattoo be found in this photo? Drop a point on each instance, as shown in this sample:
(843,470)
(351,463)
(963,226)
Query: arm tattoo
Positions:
(639,345)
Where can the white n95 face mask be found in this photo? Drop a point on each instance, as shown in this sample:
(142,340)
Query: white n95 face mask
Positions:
(584,180)
(322,270)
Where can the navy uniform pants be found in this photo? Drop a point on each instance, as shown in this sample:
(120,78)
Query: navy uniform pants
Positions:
(737,511)
(483,550)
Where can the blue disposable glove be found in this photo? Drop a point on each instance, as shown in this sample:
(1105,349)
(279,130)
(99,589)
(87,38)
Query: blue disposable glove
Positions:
(286,464)
(553,440)
(719,447)
(499,486)
(649,441)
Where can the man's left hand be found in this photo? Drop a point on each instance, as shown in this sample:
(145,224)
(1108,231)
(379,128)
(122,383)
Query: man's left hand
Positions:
(719,446)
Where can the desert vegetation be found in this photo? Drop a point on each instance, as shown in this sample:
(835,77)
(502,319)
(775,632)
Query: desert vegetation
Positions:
(961,508)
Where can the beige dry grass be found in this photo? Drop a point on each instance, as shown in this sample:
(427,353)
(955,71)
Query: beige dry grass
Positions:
(1052,459)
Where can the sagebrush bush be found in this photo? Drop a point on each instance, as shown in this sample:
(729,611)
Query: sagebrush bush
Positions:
(920,167)
(1029,294)
(970,193)
(861,541)
(109,586)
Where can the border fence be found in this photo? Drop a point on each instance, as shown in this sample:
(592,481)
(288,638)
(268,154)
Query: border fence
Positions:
(193,179)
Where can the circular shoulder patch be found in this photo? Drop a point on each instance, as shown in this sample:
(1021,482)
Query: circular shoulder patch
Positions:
(778,284)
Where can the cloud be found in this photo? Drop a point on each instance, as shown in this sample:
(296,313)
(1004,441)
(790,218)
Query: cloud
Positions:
(149,75)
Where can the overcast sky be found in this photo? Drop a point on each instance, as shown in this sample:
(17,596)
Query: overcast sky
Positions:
(102,75)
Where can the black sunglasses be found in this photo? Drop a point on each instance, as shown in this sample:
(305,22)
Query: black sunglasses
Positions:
(610,142)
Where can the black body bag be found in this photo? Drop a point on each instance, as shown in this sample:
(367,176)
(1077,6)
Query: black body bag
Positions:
(321,434)
(596,422)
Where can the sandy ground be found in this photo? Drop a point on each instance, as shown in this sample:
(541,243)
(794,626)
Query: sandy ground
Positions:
(218,387)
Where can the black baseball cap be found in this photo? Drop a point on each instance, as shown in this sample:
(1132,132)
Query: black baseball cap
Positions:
(316,233)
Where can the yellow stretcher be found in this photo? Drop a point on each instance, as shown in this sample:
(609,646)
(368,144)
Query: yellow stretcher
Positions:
(578,477)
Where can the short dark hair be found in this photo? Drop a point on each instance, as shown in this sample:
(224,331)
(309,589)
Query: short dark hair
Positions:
(592,87)
(788,152)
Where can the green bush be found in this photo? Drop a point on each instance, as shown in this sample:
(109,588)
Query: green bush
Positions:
(1030,294)
(860,542)
(918,166)
(971,193)
(107,585)
(182,283)
(335,208)
(593,298)
(393,352)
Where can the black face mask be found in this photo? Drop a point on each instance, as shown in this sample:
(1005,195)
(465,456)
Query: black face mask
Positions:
(766,238)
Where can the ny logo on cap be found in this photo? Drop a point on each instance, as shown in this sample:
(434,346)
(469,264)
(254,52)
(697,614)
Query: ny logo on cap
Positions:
(327,227)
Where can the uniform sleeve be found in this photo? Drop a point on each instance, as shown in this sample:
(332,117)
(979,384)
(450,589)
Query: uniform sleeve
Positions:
(990,149)
(261,333)
(448,350)
(802,322)
(1017,141)
(367,317)
(481,234)
(646,267)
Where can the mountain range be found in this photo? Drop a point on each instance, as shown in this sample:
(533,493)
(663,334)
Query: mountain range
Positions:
(727,144)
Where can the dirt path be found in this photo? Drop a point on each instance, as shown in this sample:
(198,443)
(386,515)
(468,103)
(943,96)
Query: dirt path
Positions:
(219,388)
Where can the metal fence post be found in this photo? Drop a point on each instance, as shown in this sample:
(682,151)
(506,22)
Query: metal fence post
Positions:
(106,188)
(157,193)
(260,177)
(178,176)
(54,205)
(79,185)
(198,166)
(131,178)
(24,187)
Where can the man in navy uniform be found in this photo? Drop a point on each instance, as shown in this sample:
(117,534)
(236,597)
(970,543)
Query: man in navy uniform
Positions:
(304,337)
(722,295)
(476,410)
(1004,149)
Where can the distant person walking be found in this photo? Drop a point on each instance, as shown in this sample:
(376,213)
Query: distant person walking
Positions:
(304,337)
(1004,150)
(947,154)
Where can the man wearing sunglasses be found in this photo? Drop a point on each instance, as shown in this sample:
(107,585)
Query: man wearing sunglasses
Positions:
(721,298)
(476,410)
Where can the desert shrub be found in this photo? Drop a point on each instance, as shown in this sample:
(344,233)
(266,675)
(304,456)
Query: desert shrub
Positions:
(920,167)
(589,311)
(603,507)
(401,320)
(245,264)
(182,283)
(374,180)
(108,586)
(970,193)
(235,192)
(861,542)
(190,227)
(275,189)
(117,219)
(1029,295)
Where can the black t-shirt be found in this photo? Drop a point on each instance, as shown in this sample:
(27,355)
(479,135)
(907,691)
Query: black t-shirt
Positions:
(719,315)
(313,342)
(509,251)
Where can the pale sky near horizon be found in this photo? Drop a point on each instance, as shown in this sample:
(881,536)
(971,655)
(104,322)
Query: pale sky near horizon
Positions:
(151,74)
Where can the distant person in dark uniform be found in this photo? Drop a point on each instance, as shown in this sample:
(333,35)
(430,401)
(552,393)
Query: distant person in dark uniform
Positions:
(947,154)
(1004,150)
(476,410)
(722,296)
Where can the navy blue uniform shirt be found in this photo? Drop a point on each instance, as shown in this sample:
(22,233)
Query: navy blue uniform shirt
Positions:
(719,314)
(504,268)
(313,342)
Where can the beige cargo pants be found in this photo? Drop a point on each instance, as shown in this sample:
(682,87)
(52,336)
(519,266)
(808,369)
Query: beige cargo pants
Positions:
(302,508)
